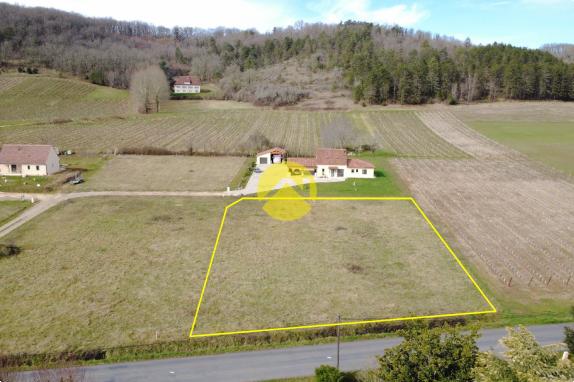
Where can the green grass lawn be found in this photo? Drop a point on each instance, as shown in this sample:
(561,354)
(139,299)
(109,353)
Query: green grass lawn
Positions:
(104,272)
(549,142)
(11,208)
(386,183)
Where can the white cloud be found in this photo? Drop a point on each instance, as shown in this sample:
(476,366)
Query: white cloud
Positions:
(244,14)
(363,10)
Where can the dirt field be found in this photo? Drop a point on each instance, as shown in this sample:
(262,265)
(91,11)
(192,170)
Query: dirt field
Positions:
(163,173)
(106,272)
(508,216)
(360,259)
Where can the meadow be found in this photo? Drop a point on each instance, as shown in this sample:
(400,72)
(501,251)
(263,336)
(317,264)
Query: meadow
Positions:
(11,208)
(163,173)
(104,272)
(358,259)
(37,98)
(548,142)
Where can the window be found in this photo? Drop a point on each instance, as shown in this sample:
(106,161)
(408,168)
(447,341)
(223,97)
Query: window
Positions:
(262,160)
(37,168)
(364,172)
(28,167)
(340,172)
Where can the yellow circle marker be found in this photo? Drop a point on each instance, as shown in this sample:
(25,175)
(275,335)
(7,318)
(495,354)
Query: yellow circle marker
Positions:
(288,183)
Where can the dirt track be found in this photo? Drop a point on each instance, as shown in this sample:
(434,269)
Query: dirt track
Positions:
(507,215)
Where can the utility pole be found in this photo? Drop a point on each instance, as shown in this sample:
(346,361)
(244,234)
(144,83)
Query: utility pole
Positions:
(338,339)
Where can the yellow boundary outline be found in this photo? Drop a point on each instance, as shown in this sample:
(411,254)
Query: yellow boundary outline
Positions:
(346,323)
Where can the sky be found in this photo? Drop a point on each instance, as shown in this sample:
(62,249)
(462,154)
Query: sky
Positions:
(528,23)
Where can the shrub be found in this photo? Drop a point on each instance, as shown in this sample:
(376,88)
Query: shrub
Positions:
(326,373)
(569,339)
(9,250)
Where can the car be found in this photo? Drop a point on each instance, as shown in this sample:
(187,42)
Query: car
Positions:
(257,170)
(77,180)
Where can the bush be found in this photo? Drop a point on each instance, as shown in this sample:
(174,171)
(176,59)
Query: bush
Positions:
(326,373)
(569,340)
(9,250)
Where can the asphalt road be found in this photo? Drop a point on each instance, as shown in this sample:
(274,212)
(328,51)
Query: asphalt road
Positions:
(279,363)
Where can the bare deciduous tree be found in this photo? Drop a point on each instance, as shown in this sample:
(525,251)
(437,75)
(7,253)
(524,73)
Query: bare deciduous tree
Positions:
(148,87)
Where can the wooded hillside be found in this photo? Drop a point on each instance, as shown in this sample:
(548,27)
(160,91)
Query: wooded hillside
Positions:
(380,64)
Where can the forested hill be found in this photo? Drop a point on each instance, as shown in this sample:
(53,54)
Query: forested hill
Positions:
(379,64)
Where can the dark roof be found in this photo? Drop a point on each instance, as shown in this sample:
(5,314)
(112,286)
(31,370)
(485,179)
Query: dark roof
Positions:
(186,80)
(25,154)
(359,163)
(332,157)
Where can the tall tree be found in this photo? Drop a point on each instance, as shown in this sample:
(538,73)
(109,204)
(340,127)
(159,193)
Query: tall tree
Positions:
(148,88)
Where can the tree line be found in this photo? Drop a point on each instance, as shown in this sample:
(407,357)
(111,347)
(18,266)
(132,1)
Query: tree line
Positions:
(381,64)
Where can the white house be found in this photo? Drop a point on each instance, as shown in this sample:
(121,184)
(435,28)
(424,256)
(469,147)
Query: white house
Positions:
(272,156)
(327,163)
(186,84)
(28,160)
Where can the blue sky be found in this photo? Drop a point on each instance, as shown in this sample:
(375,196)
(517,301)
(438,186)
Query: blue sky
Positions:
(528,23)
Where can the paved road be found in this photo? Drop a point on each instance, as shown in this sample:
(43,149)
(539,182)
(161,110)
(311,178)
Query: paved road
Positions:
(279,363)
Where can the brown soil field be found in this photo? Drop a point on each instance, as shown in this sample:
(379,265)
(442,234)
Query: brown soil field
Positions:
(510,217)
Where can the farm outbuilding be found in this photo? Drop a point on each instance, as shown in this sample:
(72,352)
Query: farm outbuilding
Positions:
(28,160)
(272,156)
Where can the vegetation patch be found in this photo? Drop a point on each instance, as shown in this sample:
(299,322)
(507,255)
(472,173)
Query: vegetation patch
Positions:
(307,264)
(170,173)
(145,286)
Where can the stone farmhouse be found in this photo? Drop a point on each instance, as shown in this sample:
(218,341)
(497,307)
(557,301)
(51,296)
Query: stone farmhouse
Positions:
(28,160)
(327,163)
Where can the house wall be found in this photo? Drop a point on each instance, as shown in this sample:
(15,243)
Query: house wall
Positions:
(323,171)
(186,88)
(53,163)
(34,170)
(267,156)
(358,173)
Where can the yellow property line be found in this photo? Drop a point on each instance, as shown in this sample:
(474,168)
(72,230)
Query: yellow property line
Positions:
(410,199)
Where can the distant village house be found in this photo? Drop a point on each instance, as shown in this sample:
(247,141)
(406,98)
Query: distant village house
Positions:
(186,84)
(28,160)
(327,163)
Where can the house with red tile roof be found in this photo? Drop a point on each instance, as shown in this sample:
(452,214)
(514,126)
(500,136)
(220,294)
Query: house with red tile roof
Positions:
(327,163)
(28,160)
(186,84)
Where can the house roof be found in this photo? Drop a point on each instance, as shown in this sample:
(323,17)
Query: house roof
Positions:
(187,80)
(25,154)
(303,161)
(332,157)
(359,163)
(274,151)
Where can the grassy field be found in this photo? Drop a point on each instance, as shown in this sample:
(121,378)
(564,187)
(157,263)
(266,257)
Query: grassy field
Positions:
(164,173)
(106,272)
(41,98)
(549,142)
(11,208)
(360,259)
